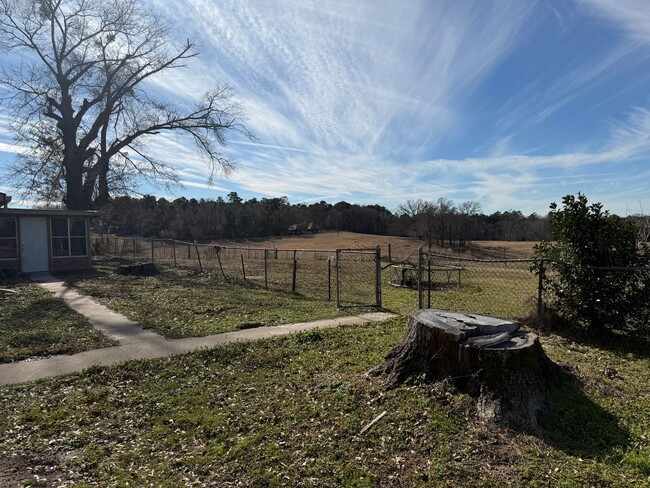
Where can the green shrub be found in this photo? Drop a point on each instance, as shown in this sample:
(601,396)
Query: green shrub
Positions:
(594,273)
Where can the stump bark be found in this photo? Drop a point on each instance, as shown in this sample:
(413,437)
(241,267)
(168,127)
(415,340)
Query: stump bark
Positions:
(505,369)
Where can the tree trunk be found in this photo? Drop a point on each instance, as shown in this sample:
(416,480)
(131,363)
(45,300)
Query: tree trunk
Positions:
(74,187)
(489,358)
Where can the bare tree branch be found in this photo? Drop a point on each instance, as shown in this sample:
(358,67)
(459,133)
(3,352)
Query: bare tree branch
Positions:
(80,104)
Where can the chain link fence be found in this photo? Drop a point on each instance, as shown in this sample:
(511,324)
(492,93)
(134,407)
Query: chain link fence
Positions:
(347,277)
(502,287)
(509,288)
(358,277)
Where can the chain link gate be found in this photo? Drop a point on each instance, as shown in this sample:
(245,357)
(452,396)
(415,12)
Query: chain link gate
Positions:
(358,277)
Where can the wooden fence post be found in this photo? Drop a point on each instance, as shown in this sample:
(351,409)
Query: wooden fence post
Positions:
(295,272)
(198,256)
(217,250)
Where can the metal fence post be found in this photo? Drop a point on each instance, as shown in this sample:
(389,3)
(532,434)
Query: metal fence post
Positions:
(428,279)
(266,270)
(378,276)
(295,271)
(329,279)
(419,277)
(152,250)
(540,287)
(174,251)
(133,242)
(338,279)
(243,268)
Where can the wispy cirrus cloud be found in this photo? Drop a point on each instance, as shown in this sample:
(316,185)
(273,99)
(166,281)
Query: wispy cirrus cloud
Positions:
(574,67)
(354,78)
(377,101)
(500,180)
(631,15)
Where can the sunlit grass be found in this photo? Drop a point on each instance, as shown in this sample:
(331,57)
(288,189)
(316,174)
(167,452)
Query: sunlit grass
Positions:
(289,412)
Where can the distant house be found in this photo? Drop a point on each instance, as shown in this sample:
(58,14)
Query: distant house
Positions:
(302,228)
(44,240)
(295,229)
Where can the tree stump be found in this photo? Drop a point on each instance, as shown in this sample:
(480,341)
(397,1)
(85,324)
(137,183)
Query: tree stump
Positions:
(505,369)
(139,269)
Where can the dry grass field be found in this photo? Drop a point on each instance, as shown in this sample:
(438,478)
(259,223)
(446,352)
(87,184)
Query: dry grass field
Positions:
(402,245)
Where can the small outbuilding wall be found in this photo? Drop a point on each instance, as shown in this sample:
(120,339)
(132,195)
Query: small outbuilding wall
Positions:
(34,241)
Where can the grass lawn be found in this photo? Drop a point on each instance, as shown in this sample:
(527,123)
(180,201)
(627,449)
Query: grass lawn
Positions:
(182,303)
(35,324)
(508,292)
(289,412)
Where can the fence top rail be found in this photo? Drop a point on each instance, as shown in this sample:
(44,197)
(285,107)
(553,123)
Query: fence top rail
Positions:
(476,260)
(359,250)
(272,249)
(241,248)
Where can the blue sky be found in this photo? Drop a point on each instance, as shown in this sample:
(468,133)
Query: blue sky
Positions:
(509,103)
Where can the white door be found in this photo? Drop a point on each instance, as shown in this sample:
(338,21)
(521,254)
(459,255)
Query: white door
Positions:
(33,244)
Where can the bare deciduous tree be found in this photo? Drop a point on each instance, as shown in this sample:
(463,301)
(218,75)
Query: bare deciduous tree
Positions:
(80,103)
(466,210)
(421,214)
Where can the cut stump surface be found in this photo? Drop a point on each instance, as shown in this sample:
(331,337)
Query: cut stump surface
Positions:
(507,370)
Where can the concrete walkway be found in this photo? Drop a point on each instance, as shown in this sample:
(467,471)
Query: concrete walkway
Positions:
(138,343)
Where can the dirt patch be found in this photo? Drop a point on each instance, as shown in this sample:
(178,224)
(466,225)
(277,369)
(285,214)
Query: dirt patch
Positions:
(36,469)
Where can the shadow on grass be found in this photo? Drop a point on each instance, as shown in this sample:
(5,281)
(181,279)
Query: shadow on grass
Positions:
(578,426)
(635,342)
(634,339)
(99,270)
(43,328)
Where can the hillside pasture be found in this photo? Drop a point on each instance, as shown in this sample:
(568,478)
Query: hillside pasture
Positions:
(401,246)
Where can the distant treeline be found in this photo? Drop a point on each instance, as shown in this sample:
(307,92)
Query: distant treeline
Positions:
(441,222)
